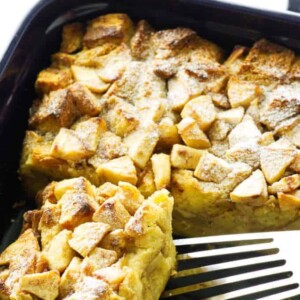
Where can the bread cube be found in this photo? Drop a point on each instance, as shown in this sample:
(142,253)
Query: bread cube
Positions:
(98,259)
(268,59)
(58,252)
(252,191)
(119,169)
(141,144)
(112,275)
(220,100)
(52,79)
(232,116)
(76,208)
(110,28)
(87,236)
(90,288)
(89,78)
(161,167)
(244,133)
(285,185)
(90,131)
(72,35)
(55,111)
(26,243)
(202,110)
(289,200)
(68,145)
(79,184)
(219,130)
(246,153)
(274,162)
(85,101)
(236,58)
(122,118)
(69,277)
(191,134)
(43,285)
(184,157)
(112,212)
(140,42)
(131,197)
(241,93)
(211,168)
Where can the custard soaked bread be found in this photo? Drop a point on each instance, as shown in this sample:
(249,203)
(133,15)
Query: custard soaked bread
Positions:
(91,243)
(165,109)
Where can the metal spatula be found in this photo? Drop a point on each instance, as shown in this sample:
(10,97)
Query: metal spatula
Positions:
(241,266)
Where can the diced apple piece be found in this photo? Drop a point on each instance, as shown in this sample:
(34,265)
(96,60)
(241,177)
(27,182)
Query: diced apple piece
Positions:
(168,132)
(112,212)
(252,191)
(68,146)
(26,243)
(295,165)
(58,252)
(202,110)
(98,259)
(289,200)
(141,144)
(43,285)
(212,169)
(241,93)
(161,167)
(184,157)
(191,134)
(79,184)
(232,116)
(245,132)
(285,185)
(119,169)
(76,208)
(146,184)
(70,277)
(87,236)
(266,139)
(88,77)
(90,131)
(274,162)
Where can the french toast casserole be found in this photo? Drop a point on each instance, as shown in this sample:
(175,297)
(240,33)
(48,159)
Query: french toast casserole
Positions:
(128,118)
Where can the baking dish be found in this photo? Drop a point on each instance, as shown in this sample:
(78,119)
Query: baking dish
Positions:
(39,36)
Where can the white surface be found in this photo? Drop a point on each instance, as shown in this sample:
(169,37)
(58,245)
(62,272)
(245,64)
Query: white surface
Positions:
(12,12)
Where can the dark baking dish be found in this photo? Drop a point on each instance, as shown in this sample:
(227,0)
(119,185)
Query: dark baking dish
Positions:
(39,36)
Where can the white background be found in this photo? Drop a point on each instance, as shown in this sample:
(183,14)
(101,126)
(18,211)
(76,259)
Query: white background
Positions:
(12,12)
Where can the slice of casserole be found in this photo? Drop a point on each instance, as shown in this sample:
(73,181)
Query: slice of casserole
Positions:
(91,243)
